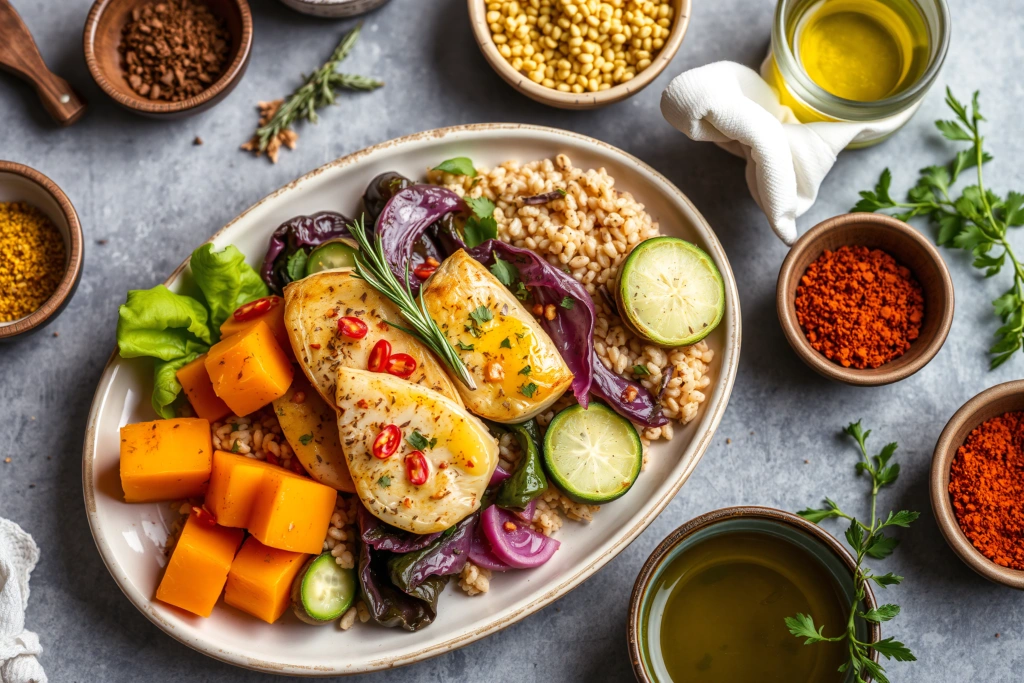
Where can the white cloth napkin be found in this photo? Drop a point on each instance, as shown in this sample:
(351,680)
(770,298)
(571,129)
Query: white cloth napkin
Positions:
(731,105)
(18,647)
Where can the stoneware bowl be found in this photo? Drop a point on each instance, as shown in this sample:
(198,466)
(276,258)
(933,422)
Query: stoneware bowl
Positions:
(103,34)
(20,183)
(568,100)
(131,538)
(911,249)
(770,521)
(333,9)
(1002,398)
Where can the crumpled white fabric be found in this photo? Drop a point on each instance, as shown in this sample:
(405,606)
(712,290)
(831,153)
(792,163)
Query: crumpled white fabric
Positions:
(18,647)
(734,107)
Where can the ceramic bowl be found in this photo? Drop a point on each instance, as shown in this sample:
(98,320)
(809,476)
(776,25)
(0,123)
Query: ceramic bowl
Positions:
(102,35)
(762,520)
(334,9)
(1002,398)
(21,183)
(911,249)
(568,100)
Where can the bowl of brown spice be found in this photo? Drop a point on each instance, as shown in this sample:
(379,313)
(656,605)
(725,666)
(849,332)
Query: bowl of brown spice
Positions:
(977,483)
(40,250)
(864,299)
(168,58)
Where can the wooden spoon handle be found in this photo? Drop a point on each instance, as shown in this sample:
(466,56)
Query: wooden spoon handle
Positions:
(20,55)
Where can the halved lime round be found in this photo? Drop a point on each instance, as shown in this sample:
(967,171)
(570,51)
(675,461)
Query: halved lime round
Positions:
(594,454)
(337,253)
(670,292)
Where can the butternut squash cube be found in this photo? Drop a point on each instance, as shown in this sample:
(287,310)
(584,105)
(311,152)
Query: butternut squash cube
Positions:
(249,369)
(292,513)
(260,580)
(273,316)
(199,566)
(195,380)
(235,482)
(165,459)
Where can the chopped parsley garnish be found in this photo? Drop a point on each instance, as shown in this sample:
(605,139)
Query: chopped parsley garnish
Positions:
(528,389)
(522,293)
(481,315)
(505,343)
(464,347)
(457,166)
(520,335)
(641,371)
(472,329)
(234,446)
(567,303)
(525,370)
(506,273)
(296,265)
(561,191)
(420,442)
(384,481)
(481,226)
(306,438)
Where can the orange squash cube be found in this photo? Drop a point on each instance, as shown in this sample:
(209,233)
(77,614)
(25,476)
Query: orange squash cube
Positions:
(260,580)
(199,566)
(195,380)
(252,313)
(292,513)
(235,482)
(165,459)
(249,369)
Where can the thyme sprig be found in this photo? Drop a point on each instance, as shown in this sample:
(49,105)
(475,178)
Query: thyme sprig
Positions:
(372,267)
(866,540)
(317,91)
(976,221)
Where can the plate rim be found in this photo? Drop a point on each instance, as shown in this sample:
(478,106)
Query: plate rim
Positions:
(701,442)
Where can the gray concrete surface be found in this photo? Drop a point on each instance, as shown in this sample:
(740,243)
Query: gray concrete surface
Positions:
(147,196)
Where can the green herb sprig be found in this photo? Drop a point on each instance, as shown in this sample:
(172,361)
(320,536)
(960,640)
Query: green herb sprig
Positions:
(976,221)
(866,540)
(317,91)
(372,267)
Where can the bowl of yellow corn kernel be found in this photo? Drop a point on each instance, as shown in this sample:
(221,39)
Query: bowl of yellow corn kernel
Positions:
(579,54)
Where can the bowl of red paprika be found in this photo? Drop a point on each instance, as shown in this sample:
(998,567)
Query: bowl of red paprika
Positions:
(977,483)
(864,299)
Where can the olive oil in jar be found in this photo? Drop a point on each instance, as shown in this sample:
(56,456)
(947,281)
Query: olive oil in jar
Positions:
(717,613)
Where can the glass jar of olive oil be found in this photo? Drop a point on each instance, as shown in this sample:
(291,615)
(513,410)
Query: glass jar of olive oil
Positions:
(857,60)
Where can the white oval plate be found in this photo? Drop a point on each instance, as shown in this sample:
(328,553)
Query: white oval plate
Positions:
(131,537)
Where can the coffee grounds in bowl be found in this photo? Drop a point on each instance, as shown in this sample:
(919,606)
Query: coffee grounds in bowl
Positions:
(173,50)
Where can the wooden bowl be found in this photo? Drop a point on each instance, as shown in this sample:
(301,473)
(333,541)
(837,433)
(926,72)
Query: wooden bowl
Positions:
(333,9)
(811,537)
(568,100)
(103,34)
(911,249)
(20,183)
(1002,398)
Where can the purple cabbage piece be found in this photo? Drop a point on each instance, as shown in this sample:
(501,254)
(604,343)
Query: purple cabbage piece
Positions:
(644,409)
(301,232)
(443,557)
(403,224)
(389,606)
(381,536)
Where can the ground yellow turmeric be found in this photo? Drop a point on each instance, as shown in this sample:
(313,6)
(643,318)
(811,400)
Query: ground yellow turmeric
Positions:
(32,259)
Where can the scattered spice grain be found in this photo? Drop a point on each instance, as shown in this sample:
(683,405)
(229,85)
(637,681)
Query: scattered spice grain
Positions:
(986,487)
(859,307)
(287,137)
(174,49)
(198,141)
(32,259)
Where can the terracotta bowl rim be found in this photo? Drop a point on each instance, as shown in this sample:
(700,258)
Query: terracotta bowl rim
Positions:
(869,377)
(73,271)
(942,507)
(232,72)
(561,100)
(659,554)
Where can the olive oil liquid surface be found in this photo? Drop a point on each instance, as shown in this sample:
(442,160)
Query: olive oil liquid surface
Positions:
(717,612)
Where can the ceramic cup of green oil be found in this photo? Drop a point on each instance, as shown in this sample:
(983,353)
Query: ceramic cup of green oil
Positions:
(710,603)
(856,60)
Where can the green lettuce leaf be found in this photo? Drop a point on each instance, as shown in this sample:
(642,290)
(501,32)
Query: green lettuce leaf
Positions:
(226,281)
(161,324)
(165,383)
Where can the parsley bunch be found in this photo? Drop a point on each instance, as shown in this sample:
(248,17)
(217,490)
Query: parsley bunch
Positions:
(866,540)
(976,221)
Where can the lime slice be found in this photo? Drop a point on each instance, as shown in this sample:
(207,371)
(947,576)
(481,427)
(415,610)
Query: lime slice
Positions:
(670,292)
(324,591)
(593,455)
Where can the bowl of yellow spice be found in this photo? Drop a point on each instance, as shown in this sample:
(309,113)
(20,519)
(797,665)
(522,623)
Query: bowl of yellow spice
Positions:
(579,54)
(40,250)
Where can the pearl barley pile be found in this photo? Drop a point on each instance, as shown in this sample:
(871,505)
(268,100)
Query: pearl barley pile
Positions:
(580,45)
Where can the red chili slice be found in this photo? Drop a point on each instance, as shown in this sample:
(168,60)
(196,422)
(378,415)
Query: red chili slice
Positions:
(379,354)
(416,468)
(272,459)
(424,270)
(255,309)
(401,365)
(204,516)
(387,442)
(353,328)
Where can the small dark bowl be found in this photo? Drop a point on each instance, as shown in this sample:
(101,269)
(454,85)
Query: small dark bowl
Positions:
(23,184)
(911,249)
(103,34)
(813,538)
(1002,398)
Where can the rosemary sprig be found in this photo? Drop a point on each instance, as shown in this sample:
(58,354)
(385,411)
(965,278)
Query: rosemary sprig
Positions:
(317,91)
(976,221)
(865,540)
(372,267)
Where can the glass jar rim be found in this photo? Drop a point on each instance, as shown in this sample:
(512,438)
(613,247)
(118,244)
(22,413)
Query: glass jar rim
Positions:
(813,95)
